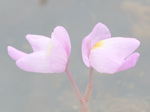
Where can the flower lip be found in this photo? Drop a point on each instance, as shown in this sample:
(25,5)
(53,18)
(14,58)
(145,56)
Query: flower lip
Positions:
(117,52)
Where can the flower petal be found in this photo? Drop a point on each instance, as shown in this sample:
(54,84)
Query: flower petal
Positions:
(60,34)
(99,32)
(109,54)
(44,61)
(35,62)
(15,54)
(85,51)
(122,47)
(104,61)
(39,42)
(129,62)
(58,59)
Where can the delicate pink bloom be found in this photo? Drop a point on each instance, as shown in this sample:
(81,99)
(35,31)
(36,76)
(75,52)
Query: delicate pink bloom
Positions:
(50,55)
(106,54)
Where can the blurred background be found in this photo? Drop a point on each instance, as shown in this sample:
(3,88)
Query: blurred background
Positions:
(126,91)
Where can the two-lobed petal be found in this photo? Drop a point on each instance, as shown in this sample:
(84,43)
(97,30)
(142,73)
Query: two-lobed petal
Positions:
(114,53)
(120,46)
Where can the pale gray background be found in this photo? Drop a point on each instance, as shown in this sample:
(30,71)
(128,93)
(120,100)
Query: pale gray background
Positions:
(20,91)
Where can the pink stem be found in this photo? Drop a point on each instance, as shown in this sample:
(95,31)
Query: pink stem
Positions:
(83,100)
(89,87)
(84,106)
(74,85)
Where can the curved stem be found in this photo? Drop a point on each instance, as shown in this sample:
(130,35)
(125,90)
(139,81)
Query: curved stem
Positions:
(89,87)
(74,85)
(84,101)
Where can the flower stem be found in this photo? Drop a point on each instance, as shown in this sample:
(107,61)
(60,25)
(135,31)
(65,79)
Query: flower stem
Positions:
(84,101)
(76,90)
(84,106)
(89,87)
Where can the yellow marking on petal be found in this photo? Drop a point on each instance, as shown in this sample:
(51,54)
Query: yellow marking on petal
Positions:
(50,49)
(98,45)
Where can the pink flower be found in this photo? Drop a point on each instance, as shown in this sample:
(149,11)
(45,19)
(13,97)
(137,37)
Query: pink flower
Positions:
(50,55)
(106,54)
